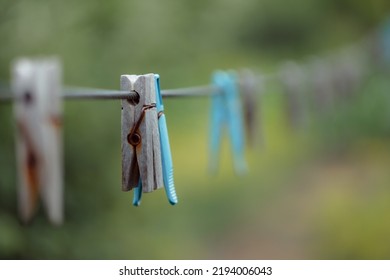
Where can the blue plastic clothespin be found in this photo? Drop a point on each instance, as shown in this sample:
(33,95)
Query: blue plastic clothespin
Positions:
(226,112)
(166,157)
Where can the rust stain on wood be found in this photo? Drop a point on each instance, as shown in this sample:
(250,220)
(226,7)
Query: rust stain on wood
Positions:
(32,175)
(31,165)
(56,121)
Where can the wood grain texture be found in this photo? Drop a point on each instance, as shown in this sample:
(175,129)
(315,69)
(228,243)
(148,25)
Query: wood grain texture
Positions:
(130,171)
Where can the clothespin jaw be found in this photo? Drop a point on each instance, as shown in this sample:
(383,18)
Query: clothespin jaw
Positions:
(226,112)
(38,112)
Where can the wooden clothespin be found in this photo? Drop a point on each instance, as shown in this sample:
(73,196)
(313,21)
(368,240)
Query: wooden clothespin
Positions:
(249,87)
(141,150)
(348,71)
(292,78)
(226,112)
(322,84)
(38,112)
(166,157)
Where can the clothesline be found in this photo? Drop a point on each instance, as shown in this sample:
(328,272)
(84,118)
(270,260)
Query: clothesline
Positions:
(95,93)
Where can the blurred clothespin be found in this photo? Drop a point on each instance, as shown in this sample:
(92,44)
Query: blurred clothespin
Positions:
(143,126)
(166,157)
(226,112)
(348,69)
(249,86)
(385,42)
(292,77)
(374,50)
(378,46)
(322,77)
(38,112)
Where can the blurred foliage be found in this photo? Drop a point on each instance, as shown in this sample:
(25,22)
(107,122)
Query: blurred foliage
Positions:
(317,193)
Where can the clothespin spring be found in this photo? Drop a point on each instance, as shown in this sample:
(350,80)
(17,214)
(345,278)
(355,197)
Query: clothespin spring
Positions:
(134,138)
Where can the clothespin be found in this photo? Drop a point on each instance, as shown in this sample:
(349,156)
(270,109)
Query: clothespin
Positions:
(167,164)
(322,81)
(226,112)
(385,42)
(379,46)
(166,157)
(292,78)
(347,71)
(249,86)
(38,112)
(143,125)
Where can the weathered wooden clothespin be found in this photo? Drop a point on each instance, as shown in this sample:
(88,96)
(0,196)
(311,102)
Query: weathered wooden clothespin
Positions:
(322,84)
(226,112)
(292,78)
(38,112)
(249,87)
(347,72)
(141,146)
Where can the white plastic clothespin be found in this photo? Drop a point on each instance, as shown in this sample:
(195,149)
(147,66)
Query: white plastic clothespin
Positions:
(38,112)
(141,154)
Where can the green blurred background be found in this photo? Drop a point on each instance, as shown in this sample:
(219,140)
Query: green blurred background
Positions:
(318,193)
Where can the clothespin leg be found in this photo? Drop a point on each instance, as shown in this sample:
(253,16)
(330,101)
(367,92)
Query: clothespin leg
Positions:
(167,162)
(137,194)
(215,136)
(52,176)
